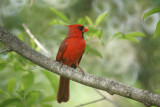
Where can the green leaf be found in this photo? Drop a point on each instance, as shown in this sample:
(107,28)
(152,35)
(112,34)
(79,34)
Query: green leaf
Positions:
(49,98)
(8,102)
(31,98)
(52,79)
(2,92)
(81,21)
(157,91)
(11,86)
(157,31)
(33,45)
(89,49)
(118,34)
(27,80)
(21,93)
(95,32)
(130,38)
(60,15)
(152,11)
(55,21)
(17,67)
(135,34)
(88,19)
(2,66)
(20,36)
(46,105)
(38,49)
(100,33)
(100,18)
(92,31)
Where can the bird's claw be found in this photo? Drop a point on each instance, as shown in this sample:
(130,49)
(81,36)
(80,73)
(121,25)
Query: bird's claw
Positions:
(81,70)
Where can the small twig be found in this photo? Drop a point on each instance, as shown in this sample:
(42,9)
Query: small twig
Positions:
(6,50)
(90,102)
(31,3)
(116,105)
(35,40)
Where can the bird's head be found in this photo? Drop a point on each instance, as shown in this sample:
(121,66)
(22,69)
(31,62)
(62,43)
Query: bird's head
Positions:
(76,30)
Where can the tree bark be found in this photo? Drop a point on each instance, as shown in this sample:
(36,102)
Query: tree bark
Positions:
(113,87)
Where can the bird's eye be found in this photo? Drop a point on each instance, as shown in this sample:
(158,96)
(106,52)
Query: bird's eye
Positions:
(80,28)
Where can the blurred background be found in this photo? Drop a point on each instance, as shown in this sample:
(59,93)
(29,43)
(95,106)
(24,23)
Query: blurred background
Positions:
(134,62)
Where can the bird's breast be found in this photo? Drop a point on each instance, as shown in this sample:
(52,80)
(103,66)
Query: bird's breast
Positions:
(74,50)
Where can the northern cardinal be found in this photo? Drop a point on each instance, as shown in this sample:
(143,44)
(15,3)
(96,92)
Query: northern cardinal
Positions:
(70,53)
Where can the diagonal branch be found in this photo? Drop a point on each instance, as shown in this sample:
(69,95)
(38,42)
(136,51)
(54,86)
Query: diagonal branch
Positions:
(90,102)
(116,105)
(111,86)
(6,50)
(94,101)
(35,40)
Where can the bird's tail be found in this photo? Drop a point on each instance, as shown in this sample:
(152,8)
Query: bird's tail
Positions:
(63,90)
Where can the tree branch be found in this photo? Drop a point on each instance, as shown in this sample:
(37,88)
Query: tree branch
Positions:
(5,50)
(111,86)
(35,40)
(116,105)
(90,102)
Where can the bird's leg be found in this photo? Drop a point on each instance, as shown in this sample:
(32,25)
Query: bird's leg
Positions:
(81,70)
(61,64)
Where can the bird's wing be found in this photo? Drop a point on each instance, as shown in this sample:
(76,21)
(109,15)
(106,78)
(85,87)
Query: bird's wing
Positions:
(80,58)
(61,50)
(75,65)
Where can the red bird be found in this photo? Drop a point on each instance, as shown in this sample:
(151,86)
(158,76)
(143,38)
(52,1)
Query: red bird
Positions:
(70,53)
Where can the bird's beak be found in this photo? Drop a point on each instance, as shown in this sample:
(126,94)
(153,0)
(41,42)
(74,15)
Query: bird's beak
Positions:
(85,29)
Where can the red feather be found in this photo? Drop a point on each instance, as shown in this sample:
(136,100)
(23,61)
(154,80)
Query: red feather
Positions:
(70,53)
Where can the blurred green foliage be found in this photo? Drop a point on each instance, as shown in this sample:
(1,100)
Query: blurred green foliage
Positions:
(130,56)
(152,11)
(130,36)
